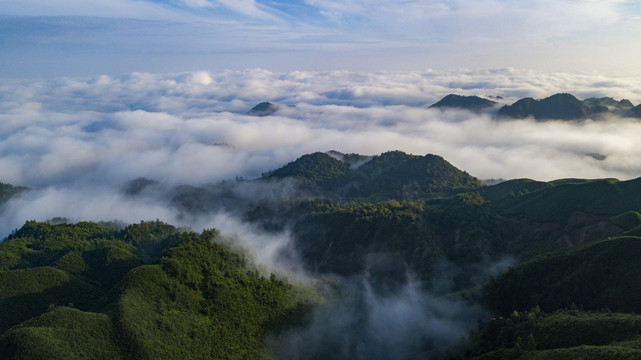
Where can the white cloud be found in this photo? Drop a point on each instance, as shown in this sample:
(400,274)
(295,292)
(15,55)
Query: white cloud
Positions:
(192,128)
(247,7)
(77,141)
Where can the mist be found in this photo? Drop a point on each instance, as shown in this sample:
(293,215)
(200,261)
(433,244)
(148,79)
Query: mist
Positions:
(192,128)
(410,320)
(75,142)
(78,143)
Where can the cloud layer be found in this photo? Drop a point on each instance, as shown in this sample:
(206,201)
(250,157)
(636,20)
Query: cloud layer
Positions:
(87,137)
(192,128)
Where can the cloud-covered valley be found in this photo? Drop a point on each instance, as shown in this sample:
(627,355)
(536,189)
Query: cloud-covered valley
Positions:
(80,140)
(77,143)
(193,128)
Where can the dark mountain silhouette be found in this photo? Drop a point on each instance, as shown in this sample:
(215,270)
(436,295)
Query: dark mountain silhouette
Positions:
(263,109)
(603,104)
(472,103)
(318,168)
(399,176)
(558,106)
(566,107)
(393,174)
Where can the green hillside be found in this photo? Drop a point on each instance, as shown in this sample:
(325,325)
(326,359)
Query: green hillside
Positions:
(396,175)
(590,298)
(390,237)
(317,169)
(555,201)
(149,291)
(391,175)
(566,334)
(599,275)
(154,291)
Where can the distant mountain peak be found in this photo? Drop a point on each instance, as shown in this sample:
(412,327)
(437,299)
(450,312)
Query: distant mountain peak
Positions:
(263,109)
(391,175)
(472,103)
(564,106)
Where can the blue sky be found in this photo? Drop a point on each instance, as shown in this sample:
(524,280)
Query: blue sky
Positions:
(43,38)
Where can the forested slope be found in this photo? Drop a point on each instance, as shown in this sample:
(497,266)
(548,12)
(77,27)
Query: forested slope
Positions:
(148,291)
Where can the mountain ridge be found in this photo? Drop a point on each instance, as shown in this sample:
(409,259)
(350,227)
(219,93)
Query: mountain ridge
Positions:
(560,106)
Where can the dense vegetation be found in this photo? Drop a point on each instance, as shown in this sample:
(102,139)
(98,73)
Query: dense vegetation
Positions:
(391,175)
(562,334)
(148,291)
(596,276)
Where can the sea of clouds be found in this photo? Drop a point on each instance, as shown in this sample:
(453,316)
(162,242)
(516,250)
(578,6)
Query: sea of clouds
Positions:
(76,141)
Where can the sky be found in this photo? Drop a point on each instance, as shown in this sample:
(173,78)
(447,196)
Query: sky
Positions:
(47,38)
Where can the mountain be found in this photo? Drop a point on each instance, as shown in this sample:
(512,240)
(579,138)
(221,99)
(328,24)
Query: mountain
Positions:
(566,107)
(263,109)
(577,304)
(602,104)
(148,291)
(396,175)
(599,275)
(563,334)
(555,263)
(636,111)
(318,169)
(556,201)
(558,106)
(472,103)
(391,175)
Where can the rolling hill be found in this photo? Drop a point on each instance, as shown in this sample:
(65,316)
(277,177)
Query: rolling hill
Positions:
(151,290)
